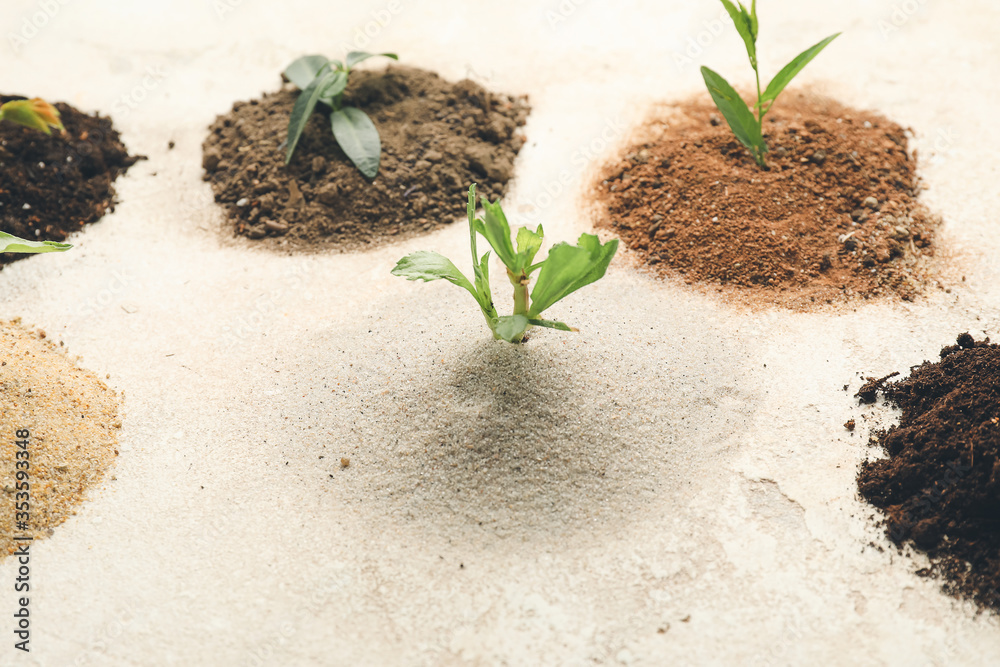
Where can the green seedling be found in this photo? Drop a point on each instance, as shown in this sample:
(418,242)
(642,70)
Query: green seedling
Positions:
(10,243)
(749,129)
(566,269)
(323,80)
(34,113)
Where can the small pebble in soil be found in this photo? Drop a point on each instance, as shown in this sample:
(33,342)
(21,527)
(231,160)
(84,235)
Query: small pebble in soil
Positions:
(850,424)
(344,462)
(871,202)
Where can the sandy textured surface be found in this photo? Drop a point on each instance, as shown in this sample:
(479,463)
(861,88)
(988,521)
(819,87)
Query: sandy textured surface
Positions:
(672,485)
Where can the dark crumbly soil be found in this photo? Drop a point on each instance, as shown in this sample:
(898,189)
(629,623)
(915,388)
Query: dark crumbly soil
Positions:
(691,201)
(437,138)
(51,186)
(939,486)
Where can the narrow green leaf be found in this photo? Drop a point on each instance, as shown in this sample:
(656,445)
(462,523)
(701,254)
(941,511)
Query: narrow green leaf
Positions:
(10,243)
(427,266)
(510,327)
(354,57)
(736,112)
(332,88)
(568,268)
(496,230)
(357,136)
(788,72)
(753,20)
(304,106)
(304,70)
(743,26)
(551,324)
(528,244)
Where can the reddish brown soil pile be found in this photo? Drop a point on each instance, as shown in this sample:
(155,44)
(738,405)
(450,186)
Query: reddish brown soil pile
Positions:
(834,214)
(940,485)
(437,138)
(52,185)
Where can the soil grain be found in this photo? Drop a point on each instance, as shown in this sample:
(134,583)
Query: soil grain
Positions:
(939,485)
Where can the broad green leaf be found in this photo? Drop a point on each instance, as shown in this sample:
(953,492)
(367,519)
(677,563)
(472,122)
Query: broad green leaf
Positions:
(510,327)
(528,243)
(788,72)
(304,70)
(568,268)
(354,57)
(495,229)
(551,324)
(426,265)
(741,120)
(357,136)
(303,109)
(10,243)
(332,88)
(744,26)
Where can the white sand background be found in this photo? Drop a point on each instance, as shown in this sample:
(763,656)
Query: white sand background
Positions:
(671,485)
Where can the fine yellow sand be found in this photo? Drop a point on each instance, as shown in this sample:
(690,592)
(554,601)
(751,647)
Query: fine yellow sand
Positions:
(72,422)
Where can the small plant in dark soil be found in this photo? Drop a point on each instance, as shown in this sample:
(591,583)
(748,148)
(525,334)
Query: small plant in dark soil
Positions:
(566,269)
(36,114)
(324,80)
(10,243)
(939,484)
(749,129)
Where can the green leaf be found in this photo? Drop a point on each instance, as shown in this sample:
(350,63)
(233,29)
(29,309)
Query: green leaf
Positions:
(510,327)
(304,106)
(495,229)
(745,25)
(427,266)
(10,243)
(551,324)
(785,76)
(304,70)
(332,88)
(568,268)
(357,136)
(354,57)
(528,243)
(736,112)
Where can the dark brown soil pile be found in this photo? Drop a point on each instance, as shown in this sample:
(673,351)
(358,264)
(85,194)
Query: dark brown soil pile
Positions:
(834,215)
(53,185)
(940,485)
(437,138)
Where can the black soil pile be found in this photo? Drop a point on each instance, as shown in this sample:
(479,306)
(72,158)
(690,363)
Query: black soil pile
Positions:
(939,486)
(53,185)
(835,215)
(437,138)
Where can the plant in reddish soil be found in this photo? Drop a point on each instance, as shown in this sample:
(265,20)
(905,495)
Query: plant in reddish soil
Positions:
(566,269)
(34,113)
(748,128)
(323,80)
(939,483)
(836,216)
